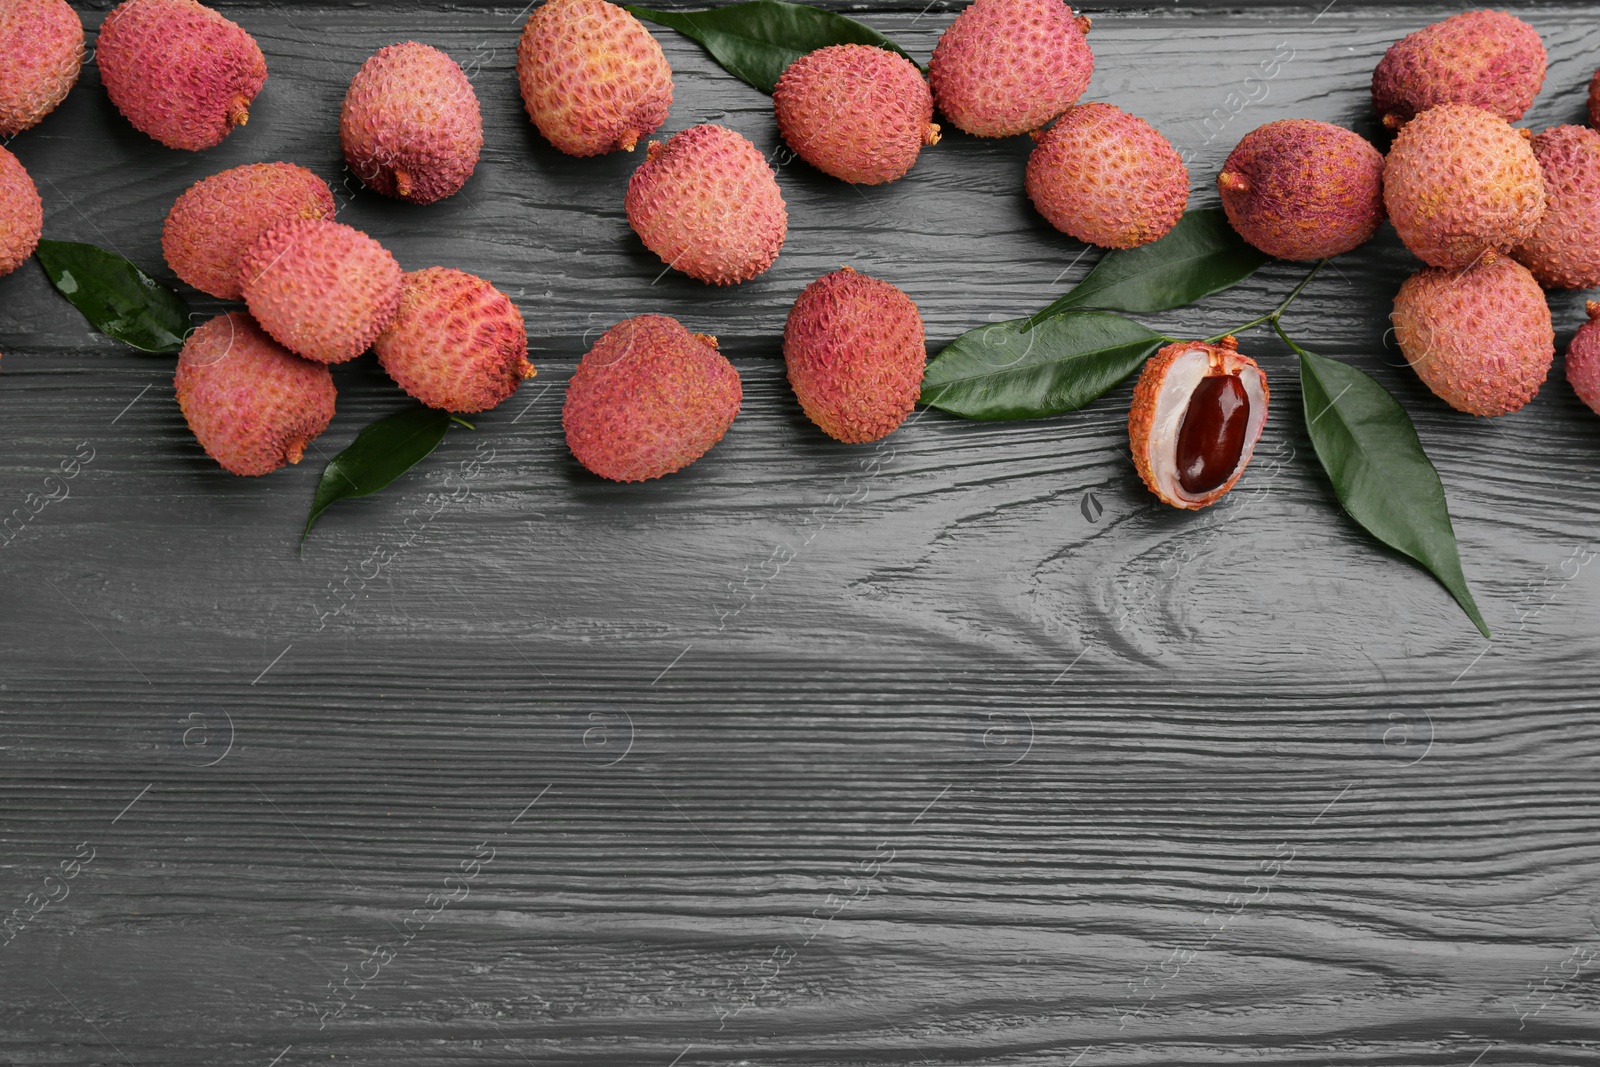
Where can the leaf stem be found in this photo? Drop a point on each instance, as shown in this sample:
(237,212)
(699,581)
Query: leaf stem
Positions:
(1276,313)
(1276,325)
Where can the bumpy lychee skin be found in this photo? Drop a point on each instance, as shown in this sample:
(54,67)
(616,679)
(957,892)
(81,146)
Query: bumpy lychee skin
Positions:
(1564,251)
(214,223)
(323,289)
(1481,339)
(456,343)
(1583,360)
(855,352)
(1460,182)
(179,71)
(410,126)
(1005,67)
(21,213)
(41,53)
(252,404)
(649,399)
(1486,59)
(708,204)
(1300,189)
(1191,441)
(1107,177)
(856,112)
(593,78)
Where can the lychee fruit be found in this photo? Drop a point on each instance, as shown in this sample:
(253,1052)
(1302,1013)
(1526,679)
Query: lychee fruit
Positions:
(410,126)
(855,352)
(1460,182)
(41,53)
(708,204)
(179,71)
(1594,99)
(253,405)
(1300,189)
(1005,67)
(1197,415)
(323,289)
(21,213)
(456,343)
(648,399)
(859,113)
(1583,360)
(213,224)
(1481,339)
(1486,59)
(1107,177)
(593,78)
(1564,251)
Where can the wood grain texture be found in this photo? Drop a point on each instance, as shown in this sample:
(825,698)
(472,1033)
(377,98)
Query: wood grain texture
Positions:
(958,749)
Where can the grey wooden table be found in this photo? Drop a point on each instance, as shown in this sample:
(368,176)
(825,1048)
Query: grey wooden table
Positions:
(959,749)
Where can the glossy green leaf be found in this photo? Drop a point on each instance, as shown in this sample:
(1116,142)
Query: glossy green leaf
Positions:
(757,41)
(1384,479)
(1200,256)
(1004,371)
(118,299)
(380,453)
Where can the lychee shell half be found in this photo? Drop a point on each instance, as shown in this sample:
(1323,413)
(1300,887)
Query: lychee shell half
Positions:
(410,126)
(41,54)
(252,404)
(708,204)
(179,71)
(593,78)
(1161,400)
(1005,67)
(1107,177)
(214,223)
(1583,360)
(456,343)
(1460,182)
(1487,59)
(1481,339)
(855,352)
(1564,251)
(1299,189)
(21,213)
(858,113)
(649,399)
(323,289)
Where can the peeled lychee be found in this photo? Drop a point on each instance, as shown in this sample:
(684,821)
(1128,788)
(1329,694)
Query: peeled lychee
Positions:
(1481,339)
(1564,251)
(323,289)
(854,349)
(1460,182)
(179,71)
(456,343)
(253,405)
(593,78)
(1583,360)
(21,213)
(214,223)
(1107,177)
(1005,67)
(856,112)
(410,125)
(1485,59)
(1300,189)
(1197,414)
(41,53)
(648,399)
(708,204)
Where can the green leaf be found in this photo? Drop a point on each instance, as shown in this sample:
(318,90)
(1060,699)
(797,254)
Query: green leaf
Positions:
(1006,371)
(380,453)
(756,41)
(118,299)
(1200,256)
(1384,479)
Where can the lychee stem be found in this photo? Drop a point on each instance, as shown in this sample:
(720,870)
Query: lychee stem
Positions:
(1593,308)
(931,134)
(239,110)
(1237,183)
(296,450)
(628,141)
(402,183)
(1083,22)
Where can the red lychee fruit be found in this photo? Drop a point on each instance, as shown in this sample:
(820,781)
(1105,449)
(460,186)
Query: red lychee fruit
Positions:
(1005,67)
(456,343)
